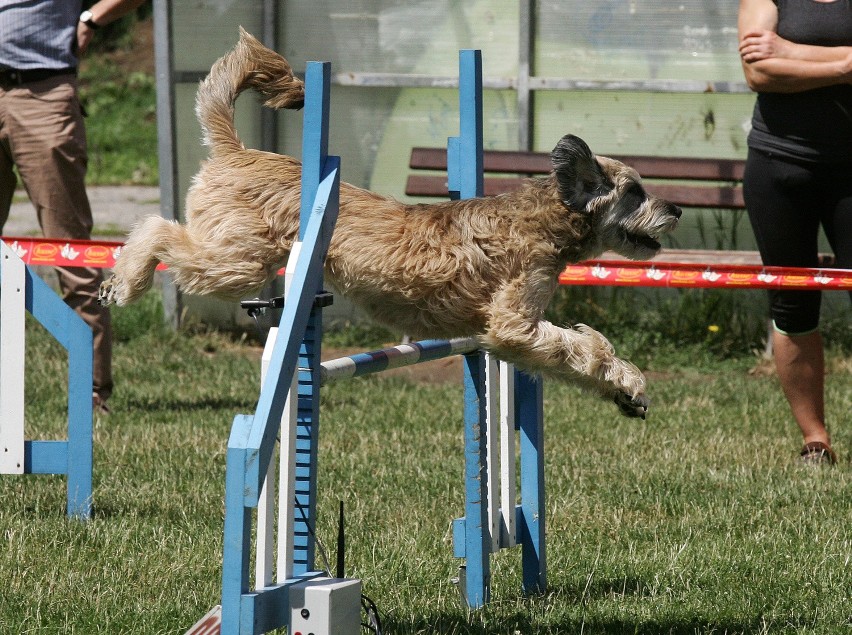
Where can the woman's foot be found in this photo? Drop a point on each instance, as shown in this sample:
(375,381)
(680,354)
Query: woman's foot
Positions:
(817,453)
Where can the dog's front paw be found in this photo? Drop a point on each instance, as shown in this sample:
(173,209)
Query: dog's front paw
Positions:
(632,406)
(106,292)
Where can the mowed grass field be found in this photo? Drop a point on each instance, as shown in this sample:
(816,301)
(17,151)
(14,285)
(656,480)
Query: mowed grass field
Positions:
(697,520)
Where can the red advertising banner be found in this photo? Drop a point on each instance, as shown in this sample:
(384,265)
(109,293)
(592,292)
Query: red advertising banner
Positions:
(100,254)
(703,276)
(625,273)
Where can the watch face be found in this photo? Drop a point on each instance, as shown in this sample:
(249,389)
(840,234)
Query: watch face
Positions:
(85,16)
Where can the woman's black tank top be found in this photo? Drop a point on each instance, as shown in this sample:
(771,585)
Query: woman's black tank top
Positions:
(814,125)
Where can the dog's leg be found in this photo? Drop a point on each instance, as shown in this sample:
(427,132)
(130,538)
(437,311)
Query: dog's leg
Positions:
(244,260)
(134,268)
(579,355)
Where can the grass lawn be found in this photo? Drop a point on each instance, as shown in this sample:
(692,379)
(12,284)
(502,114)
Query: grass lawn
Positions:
(118,92)
(698,520)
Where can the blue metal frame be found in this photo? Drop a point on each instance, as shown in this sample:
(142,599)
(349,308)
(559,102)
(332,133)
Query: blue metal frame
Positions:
(252,439)
(529,411)
(314,166)
(464,153)
(72,457)
(307,442)
(471,533)
(477,535)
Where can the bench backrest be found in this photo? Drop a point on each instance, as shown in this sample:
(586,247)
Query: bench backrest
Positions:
(685,181)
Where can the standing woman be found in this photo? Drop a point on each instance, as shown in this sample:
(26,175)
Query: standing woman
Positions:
(797,55)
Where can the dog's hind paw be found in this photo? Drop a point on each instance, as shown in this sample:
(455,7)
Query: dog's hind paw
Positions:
(106,292)
(632,406)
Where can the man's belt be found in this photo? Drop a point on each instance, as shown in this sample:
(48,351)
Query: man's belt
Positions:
(14,77)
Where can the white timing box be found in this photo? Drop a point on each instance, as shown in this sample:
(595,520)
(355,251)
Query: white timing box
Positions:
(325,606)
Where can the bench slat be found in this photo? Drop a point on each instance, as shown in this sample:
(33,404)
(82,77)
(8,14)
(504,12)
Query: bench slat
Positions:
(511,162)
(689,168)
(505,161)
(434,185)
(724,197)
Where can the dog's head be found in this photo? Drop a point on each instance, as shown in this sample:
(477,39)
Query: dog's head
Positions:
(625,218)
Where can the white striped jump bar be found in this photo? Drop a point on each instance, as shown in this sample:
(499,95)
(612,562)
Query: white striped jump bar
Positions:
(395,357)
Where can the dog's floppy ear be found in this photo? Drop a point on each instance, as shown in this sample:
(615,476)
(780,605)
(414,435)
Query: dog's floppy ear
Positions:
(578,173)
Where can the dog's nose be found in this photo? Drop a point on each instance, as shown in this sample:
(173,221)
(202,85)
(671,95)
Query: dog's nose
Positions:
(676,211)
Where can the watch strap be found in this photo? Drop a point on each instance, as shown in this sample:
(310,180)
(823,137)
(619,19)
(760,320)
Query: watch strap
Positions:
(87,19)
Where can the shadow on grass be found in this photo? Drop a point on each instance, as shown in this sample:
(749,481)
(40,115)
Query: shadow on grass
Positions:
(618,627)
(561,610)
(522,624)
(152,404)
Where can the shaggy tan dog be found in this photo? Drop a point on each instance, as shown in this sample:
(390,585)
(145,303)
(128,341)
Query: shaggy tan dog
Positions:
(480,267)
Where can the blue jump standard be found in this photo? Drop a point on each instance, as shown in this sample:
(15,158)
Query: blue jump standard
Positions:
(72,457)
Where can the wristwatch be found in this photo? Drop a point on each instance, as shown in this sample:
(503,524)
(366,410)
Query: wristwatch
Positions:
(87,19)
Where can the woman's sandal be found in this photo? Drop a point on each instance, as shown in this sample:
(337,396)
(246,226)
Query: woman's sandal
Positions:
(817,453)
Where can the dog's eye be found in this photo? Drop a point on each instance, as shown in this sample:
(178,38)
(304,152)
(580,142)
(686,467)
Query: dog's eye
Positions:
(633,197)
(636,190)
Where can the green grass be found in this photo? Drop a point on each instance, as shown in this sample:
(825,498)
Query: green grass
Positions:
(121,127)
(698,520)
(713,323)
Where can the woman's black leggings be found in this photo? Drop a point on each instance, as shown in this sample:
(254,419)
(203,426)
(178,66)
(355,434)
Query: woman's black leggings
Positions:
(787,202)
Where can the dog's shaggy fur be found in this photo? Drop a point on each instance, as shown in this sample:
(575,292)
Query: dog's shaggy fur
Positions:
(480,267)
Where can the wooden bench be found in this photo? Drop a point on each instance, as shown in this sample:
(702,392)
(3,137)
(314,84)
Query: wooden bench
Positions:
(691,183)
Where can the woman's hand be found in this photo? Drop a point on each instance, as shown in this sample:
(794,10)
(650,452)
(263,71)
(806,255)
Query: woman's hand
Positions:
(763,44)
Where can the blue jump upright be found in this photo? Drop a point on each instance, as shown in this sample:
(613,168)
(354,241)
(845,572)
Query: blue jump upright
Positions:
(472,539)
(252,439)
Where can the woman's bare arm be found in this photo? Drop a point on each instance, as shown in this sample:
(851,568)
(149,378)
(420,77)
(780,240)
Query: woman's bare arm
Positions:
(773,64)
(761,45)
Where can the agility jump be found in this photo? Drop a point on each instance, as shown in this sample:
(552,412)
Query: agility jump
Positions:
(289,400)
(21,290)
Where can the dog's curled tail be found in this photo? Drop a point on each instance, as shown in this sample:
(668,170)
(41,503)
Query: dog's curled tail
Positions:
(249,65)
